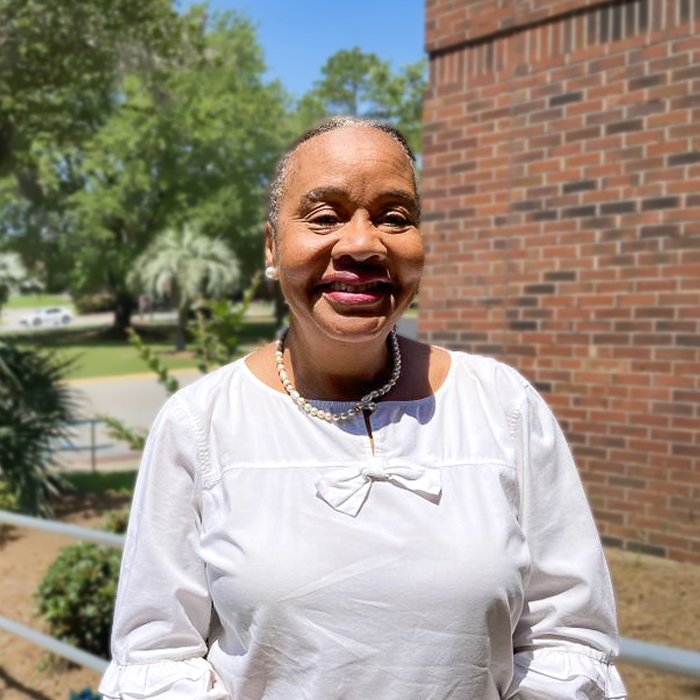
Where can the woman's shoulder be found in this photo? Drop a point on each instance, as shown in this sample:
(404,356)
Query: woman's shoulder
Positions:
(491,377)
(201,394)
(432,368)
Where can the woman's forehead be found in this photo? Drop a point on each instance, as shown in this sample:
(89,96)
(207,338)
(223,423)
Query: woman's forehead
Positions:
(349,156)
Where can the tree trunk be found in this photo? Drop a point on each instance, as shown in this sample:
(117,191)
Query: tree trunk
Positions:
(123,306)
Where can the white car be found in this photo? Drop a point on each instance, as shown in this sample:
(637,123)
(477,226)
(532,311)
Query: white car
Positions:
(51,316)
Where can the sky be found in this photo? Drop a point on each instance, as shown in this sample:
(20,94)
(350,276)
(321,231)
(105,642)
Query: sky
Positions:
(298,36)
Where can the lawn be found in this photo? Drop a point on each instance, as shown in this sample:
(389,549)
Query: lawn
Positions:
(38,301)
(101,482)
(96,354)
(114,358)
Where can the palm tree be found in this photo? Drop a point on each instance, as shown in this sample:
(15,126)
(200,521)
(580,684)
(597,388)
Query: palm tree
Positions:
(36,411)
(190,263)
(12,274)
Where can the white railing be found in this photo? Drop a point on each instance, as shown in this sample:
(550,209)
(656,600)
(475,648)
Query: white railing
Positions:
(679,662)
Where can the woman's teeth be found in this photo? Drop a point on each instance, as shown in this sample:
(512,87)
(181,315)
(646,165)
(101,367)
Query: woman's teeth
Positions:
(356,288)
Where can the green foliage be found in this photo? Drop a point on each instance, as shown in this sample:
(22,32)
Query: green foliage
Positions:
(361,84)
(187,262)
(77,596)
(62,65)
(60,60)
(36,410)
(217,338)
(8,502)
(115,483)
(36,301)
(347,80)
(117,521)
(85,694)
(12,274)
(118,430)
(151,358)
(198,149)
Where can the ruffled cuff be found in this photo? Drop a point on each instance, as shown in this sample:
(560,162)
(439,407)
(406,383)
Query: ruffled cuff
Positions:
(563,674)
(189,679)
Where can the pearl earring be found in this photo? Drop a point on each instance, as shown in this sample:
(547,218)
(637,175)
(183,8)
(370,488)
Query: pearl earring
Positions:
(271,272)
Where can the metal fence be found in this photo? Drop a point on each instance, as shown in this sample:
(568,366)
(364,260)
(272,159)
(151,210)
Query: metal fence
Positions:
(93,447)
(633,652)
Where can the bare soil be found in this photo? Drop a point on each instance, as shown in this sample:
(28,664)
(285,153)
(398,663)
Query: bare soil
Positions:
(657,602)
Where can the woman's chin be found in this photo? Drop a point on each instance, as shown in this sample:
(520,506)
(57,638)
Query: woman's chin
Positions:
(354,327)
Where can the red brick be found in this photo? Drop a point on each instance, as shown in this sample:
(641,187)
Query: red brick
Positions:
(616,297)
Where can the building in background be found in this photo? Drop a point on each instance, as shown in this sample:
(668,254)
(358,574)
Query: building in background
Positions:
(561,190)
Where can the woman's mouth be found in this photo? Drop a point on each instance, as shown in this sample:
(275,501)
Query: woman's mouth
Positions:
(347,293)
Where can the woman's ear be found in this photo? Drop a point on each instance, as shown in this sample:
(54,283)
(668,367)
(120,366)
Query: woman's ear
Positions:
(270,253)
(270,247)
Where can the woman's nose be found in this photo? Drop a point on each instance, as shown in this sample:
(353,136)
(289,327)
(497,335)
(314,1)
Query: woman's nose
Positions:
(360,240)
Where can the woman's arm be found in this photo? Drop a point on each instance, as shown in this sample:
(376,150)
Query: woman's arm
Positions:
(566,638)
(163,606)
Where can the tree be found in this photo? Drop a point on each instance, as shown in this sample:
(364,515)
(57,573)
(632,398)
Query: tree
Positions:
(198,149)
(61,69)
(59,62)
(12,274)
(361,84)
(186,263)
(36,410)
(346,81)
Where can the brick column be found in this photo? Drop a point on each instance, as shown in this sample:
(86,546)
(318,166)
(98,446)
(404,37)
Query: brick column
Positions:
(561,191)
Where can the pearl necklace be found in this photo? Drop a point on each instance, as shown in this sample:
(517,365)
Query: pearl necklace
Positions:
(366,403)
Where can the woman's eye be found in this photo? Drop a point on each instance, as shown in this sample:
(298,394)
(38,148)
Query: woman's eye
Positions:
(324,220)
(395,220)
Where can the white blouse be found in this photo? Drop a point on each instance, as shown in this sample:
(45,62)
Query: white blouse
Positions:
(274,556)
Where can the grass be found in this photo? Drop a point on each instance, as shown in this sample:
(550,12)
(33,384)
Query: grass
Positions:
(96,354)
(37,301)
(101,482)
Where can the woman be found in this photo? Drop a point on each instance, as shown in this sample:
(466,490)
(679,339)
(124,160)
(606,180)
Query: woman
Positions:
(415,530)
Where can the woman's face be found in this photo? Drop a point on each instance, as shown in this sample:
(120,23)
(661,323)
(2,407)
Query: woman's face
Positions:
(348,250)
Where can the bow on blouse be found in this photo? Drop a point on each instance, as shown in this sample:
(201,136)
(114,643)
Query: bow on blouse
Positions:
(347,490)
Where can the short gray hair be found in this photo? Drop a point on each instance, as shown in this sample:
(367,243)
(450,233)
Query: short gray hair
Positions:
(279,180)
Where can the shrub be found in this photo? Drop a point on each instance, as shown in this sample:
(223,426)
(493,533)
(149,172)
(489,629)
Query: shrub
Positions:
(8,502)
(117,521)
(86,694)
(77,596)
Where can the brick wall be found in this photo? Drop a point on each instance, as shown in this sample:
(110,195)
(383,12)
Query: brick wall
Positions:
(561,190)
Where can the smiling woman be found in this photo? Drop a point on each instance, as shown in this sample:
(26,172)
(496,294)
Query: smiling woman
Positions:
(417,529)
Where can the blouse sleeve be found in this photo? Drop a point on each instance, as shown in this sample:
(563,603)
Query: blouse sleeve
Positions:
(163,606)
(565,641)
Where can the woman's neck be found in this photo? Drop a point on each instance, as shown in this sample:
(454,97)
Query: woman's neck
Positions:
(334,370)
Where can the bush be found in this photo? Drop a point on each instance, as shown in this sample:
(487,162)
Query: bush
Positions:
(94,303)
(87,694)
(117,521)
(8,502)
(77,596)
(78,593)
